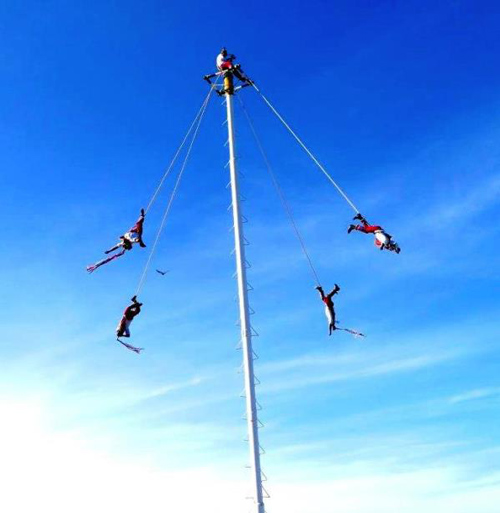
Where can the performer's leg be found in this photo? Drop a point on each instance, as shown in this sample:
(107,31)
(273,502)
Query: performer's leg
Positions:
(114,248)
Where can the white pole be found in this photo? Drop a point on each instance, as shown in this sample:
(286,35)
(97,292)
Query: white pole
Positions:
(246,333)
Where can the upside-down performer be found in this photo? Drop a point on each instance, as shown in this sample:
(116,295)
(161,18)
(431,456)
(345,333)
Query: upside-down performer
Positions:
(133,236)
(329,306)
(382,239)
(330,311)
(123,328)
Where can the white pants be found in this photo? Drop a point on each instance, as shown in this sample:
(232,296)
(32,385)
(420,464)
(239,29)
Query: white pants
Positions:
(329,315)
(126,326)
(381,238)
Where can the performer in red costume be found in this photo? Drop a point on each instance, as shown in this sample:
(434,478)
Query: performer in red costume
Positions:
(329,307)
(382,239)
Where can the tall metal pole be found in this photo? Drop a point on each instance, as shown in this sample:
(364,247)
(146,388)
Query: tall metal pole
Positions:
(246,331)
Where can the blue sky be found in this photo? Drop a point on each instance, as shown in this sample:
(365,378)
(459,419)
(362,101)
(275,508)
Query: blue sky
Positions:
(401,103)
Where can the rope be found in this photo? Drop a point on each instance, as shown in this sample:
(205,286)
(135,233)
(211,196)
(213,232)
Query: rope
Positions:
(314,159)
(356,334)
(280,192)
(176,155)
(172,196)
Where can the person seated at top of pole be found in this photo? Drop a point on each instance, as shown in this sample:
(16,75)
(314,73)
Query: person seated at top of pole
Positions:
(133,236)
(224,63)
(382,239)
(224,60)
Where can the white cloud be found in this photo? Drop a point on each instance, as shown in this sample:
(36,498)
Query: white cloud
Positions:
(453,208)
(434,491)
(172,387)
(43,471)
(413,351)
(478,393)
(360,371)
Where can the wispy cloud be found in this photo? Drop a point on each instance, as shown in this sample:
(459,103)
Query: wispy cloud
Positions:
(171,387)
(472,395)
(410,352)
(475,200)
(359,370)
(57,465)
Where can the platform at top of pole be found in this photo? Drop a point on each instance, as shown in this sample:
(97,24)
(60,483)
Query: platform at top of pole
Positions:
(229,72)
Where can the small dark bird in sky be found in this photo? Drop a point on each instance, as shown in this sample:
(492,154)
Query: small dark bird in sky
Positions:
(161,272)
